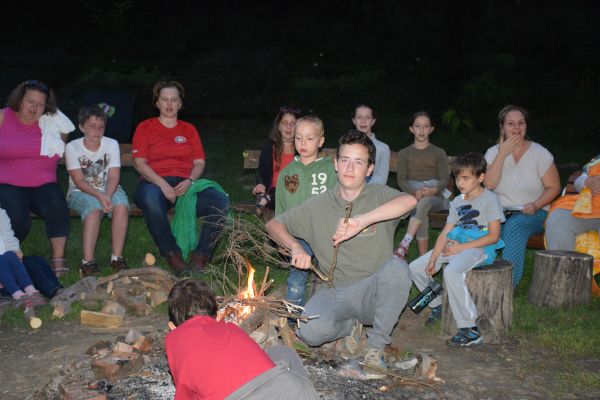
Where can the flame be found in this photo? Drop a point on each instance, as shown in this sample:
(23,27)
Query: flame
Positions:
(248,293)
(236,311)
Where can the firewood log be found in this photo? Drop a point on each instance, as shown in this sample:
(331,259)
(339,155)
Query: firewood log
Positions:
(64,299)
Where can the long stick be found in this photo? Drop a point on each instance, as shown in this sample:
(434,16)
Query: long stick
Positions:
(337,246)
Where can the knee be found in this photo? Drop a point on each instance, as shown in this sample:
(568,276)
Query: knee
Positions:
(149,198)
(314,332)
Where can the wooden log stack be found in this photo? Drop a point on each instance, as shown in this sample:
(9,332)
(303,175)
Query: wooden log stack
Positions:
(561,279)
(492,292)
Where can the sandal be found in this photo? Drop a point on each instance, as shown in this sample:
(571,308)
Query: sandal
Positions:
(58,269)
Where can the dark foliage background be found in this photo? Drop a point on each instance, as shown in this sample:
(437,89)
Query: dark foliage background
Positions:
(461,60)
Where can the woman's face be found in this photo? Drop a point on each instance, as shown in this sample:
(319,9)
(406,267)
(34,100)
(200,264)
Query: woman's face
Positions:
(286,127)
(32,106)
(514,125)
(169,103)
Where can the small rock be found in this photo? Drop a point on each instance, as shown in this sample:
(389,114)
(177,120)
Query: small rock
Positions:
(132,336)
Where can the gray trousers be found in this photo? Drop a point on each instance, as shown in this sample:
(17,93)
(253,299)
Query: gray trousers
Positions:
(562,229)
(424,206)
(455,272)
(277,383)
(376,300)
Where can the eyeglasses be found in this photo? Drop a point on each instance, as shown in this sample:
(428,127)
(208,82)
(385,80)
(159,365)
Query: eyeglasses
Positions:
(289,110)
(34,83)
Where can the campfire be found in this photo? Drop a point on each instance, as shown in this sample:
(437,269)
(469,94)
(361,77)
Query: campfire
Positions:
(239,309)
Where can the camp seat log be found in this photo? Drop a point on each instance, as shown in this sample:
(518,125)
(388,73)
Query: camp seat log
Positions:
(436,219)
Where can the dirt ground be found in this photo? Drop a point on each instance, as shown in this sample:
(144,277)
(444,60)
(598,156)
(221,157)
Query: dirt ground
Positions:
(32,358)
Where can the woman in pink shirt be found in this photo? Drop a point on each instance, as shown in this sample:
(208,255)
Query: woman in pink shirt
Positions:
(28,181)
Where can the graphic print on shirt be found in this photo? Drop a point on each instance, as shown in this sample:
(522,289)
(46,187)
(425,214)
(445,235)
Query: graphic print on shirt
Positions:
(291,183)
(467,216)
(318,181)
(95,172)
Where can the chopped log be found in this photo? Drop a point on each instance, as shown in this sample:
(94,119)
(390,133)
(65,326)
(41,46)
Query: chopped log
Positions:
(149,260)
(136,306)
(79,390)
(157,297)
(254,320)
(121,347)
(132,336)
(492,292)
(138,272)
(143,344)
(64,299)
(34,322)
(114,308)
(561,279)
(102,320)
(101,348)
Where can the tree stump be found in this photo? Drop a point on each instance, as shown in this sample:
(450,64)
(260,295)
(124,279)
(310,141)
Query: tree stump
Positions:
(561,279)
(492,292)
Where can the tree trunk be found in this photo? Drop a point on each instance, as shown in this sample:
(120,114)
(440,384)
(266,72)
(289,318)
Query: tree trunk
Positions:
(492,292)
(561,279)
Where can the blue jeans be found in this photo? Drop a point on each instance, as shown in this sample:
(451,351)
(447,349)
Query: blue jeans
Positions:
(13,275)
(42,275)
(296,282)
(48,201)
(212,205)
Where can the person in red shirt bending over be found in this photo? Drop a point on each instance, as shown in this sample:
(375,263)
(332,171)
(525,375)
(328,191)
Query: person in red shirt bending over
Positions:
(212,359)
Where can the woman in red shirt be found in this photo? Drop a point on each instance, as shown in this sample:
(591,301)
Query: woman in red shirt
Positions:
(169,156)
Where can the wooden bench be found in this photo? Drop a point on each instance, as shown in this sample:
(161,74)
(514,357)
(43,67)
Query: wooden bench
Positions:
(436,219)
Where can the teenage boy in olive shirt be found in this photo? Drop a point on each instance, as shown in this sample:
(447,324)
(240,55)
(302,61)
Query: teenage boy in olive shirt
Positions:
(369,286)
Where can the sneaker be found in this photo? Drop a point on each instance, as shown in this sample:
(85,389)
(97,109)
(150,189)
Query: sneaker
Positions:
(374,366)
(118,264)
(435,316)
(88,268)
(351,343)
(466,337)
(401,252)
(36,299)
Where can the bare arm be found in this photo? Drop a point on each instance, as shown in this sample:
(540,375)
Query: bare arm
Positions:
(81,183)
(114,176)
(440,245)
(551,182)
(392,209)
(141,166)
(494,170)
(197,170)
(279,232)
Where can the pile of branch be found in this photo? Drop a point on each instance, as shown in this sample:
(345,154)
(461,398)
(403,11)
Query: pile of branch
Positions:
(135,291)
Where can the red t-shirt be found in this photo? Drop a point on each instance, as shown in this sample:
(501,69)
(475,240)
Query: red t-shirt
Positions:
(168,151)
(210,360)
(285,160)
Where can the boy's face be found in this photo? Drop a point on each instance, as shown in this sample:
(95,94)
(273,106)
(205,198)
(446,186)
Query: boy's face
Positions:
(308,139)
(352,166)
(467,182)
(421,128)
(363,119)
(93,129)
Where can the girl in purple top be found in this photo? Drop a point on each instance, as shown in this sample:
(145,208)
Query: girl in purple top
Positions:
(28,181)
